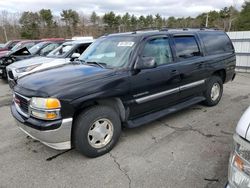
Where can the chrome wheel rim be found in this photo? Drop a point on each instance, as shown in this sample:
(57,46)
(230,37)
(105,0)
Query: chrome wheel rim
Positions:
(215,92)
(100,133)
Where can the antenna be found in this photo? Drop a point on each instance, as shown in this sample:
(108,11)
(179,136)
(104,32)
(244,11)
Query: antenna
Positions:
(207,20)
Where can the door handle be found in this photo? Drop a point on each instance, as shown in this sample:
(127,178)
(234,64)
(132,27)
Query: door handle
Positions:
(200,65)
(174,72)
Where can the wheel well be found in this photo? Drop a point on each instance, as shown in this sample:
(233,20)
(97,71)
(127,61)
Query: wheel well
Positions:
(114,103)
(221,73)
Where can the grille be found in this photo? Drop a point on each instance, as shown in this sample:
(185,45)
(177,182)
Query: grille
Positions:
(10,74)
(23,103)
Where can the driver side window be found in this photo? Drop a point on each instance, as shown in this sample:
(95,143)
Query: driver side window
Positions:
(159,49)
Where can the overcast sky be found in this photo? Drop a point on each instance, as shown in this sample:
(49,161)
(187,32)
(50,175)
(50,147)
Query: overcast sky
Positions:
(166,8)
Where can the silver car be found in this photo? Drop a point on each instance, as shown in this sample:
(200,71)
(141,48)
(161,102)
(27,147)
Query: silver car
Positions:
(61,55)
(239,163)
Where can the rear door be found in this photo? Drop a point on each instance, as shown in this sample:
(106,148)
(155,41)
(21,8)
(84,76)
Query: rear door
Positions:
(190,64)
(154,89)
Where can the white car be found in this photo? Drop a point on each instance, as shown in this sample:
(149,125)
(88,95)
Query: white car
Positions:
(61,55)
(239,163)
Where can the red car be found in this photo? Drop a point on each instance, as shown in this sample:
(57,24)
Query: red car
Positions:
(24,43)
(10,44)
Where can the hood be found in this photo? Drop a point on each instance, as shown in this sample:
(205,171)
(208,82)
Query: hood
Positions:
(242,128)
(31,61)
(59,81)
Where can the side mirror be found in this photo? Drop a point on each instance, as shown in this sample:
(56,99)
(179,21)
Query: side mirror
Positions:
(145,63)
(74,56)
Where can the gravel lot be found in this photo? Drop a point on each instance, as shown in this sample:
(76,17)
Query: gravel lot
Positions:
(188,149)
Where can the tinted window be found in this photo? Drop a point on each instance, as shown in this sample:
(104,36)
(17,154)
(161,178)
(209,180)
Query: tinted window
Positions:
(159,49)
(81,48)
(216,42)
(186,47)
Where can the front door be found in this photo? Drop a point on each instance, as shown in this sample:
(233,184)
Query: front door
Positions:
(156,88)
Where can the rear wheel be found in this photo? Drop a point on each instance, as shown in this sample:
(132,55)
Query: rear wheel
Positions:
(96,131)
(214,91)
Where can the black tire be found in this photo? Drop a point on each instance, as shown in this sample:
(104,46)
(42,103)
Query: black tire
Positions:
(83,124)
(212,82)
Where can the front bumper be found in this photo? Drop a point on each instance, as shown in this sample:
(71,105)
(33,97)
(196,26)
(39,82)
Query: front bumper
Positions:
(59,138)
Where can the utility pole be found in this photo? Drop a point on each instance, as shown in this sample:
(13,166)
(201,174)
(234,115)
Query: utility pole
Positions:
(207,20)
(5,34)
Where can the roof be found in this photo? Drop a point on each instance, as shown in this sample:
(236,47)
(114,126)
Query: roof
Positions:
(149,32)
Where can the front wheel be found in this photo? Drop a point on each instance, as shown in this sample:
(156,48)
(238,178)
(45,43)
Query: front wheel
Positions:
(96,131)
(214,91)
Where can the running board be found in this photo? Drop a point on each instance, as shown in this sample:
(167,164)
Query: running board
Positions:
(159,114)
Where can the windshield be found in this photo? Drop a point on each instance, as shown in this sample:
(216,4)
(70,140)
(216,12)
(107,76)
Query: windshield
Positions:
(60,51)
(16,47)
(112,51)
(7,44)
(34,49)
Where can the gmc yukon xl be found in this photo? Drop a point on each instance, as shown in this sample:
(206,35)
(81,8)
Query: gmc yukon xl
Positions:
(125,79)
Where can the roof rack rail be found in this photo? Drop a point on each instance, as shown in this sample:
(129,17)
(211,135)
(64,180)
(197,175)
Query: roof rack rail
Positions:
(187,28)
(155,29)
(209,28)
(145,29)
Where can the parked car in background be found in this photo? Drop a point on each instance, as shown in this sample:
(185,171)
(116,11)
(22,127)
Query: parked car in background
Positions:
(65,53)
(9,45)
(25,43)
(83,38)
(239,162)
(44,48)
(40,49)
(125,79)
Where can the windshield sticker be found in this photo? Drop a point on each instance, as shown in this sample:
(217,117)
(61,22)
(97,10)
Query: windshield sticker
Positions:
(129,44)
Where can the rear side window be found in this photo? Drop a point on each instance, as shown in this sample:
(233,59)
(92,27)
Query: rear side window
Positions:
(186,47)
(216,42)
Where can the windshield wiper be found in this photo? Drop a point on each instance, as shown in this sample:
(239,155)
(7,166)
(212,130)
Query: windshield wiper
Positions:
(102,65)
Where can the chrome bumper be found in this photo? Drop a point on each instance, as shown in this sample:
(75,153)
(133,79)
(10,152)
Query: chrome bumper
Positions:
(59,139)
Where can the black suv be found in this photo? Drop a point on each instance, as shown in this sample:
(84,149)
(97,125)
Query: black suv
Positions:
(125,79)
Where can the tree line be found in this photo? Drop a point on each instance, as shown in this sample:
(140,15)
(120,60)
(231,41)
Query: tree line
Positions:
(44,24)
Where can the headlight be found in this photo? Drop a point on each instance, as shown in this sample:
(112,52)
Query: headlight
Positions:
(45,108)
(239,165)
(26,69)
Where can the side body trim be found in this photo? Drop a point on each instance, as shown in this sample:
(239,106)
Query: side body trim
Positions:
(168,92)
